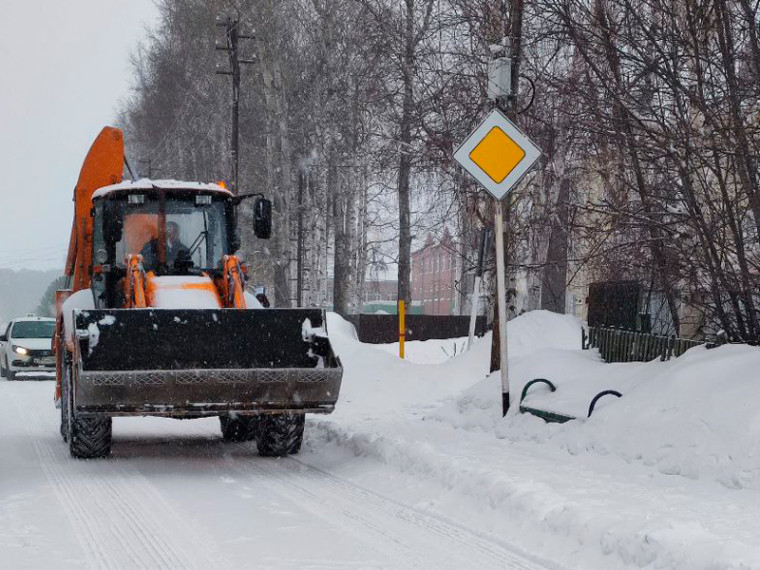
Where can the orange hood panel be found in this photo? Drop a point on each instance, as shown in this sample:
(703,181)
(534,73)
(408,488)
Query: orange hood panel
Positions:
(182,292)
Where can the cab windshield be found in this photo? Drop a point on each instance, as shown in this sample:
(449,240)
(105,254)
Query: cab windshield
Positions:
(190,232)
(33,329)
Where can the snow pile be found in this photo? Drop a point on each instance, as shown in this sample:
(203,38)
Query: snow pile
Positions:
(694,416)
(376,381)
(81,300)
(526,334)
(578,376)
(251,302)
(591,509)
(542,329)
(308,331)
(377,378)
(604,484)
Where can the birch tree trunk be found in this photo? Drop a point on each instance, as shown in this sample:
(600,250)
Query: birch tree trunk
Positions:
(554,282)
(278,159)
(344,228)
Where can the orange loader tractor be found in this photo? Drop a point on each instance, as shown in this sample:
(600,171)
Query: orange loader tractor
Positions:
(157,322)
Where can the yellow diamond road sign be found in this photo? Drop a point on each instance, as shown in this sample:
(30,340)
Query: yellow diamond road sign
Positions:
(497,154)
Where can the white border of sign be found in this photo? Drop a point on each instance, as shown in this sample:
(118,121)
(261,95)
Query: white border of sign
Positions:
(497,119)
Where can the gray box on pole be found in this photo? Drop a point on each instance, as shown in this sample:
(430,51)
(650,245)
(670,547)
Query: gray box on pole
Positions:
(499,78)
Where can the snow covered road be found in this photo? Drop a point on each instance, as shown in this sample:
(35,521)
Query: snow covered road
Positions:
(415,469)
(174,495)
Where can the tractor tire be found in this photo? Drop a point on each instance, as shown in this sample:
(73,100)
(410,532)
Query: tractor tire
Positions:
(2,369)
(241,428)
(89,437)
(10,375)
(280,434)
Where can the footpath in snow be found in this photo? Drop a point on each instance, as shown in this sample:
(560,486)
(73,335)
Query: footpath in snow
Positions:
(665,477)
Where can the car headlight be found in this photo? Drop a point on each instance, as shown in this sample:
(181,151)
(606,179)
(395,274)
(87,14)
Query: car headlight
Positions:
(20,350)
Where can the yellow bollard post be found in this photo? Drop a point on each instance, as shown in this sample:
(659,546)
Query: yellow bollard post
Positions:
(401,328)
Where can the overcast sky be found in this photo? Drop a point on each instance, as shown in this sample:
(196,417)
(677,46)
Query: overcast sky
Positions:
(64,66)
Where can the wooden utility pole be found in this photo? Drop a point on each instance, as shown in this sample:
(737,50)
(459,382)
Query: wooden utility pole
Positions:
(514,33)
(233,36)
(300,237)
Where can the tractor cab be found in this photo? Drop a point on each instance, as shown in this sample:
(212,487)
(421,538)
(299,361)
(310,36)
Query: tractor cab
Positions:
(167,228)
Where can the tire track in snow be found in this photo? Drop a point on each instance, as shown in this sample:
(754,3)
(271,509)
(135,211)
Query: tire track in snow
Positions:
(409,535)
(488,547)
(120,520)
(387,545)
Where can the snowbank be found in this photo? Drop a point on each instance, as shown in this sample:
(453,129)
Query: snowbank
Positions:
(526,334)
(377,381)
(694,416)
(591,508)
(537,330)
(605,483)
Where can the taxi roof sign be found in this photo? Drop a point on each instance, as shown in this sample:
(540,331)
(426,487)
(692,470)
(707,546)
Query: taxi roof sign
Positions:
(497,154)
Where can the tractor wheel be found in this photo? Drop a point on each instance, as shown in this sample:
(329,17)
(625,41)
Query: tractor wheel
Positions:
(2,368)
(280,434)
(241,428)
(89,437)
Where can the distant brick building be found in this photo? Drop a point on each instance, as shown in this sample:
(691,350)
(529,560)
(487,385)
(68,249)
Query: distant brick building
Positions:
(434,275)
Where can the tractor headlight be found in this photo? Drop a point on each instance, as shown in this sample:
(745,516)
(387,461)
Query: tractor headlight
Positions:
(20,350)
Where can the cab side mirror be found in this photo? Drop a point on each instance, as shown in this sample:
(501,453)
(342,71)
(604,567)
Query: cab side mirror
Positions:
(262,218)
(3,338)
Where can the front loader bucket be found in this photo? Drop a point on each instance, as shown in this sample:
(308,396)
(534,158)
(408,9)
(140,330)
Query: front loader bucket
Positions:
(191,363)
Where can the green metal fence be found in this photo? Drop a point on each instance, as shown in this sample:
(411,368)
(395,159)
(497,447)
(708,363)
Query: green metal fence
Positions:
(618,345)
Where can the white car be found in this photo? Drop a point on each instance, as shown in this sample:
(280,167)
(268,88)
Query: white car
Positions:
(26,349)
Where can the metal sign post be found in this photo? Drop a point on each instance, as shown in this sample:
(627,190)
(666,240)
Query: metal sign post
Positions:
(501,292)
(498,155)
